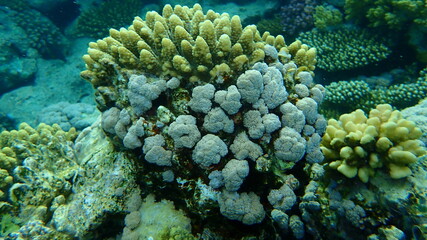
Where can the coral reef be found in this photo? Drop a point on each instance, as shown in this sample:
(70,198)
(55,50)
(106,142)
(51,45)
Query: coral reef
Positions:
(43,35)
(53,188)
(55,81)
(36,229)
(327,16)
(394,14)
(273,26)
(183,42)
(68,115)
(97,20)
(211,130)
(357,145)
(418,114)
(347,96)
(18,63)
(104,188)
(297,16)
(157,220)
(403,17)
(37,168)
(357,48)
(385,207)
(189,100)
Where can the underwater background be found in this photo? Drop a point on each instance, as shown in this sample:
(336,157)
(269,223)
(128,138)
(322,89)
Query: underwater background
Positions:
(274,119)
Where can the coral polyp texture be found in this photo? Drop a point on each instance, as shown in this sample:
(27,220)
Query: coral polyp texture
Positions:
(297,16)
(347,96)
(327,16)
(38,30)
(212,109)
(346,48)
(357,145)
(95,21)
(36,171)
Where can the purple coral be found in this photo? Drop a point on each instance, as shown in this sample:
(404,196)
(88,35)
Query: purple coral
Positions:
(297,16)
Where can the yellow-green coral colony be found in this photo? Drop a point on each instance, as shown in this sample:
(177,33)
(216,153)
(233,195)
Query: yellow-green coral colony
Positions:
(182,42)
(44,142)
(395,14)
(357,145)
(327,16)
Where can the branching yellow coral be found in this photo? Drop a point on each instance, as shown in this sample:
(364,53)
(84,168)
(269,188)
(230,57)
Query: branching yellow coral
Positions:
(357,145)
(182,42)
